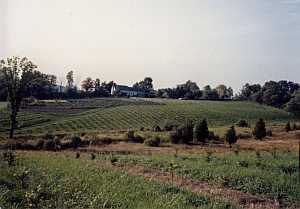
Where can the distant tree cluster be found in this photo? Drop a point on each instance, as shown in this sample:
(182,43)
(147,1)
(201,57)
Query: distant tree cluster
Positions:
(293,105)
(276,94)
(190,90)
(145,85)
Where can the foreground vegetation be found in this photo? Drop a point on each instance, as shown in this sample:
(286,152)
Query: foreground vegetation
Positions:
(272,174)
(49,180)
(116,114)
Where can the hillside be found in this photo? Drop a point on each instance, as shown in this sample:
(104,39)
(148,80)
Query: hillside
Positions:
(132,113)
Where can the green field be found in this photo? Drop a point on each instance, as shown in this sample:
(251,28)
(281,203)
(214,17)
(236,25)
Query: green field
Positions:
(272,175)
(49,180)
(116,114)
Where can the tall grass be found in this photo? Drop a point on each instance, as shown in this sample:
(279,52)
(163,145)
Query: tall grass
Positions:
(62,181)
(274,176)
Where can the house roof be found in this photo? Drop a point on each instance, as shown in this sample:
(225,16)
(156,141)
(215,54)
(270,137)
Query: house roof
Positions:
(127,88)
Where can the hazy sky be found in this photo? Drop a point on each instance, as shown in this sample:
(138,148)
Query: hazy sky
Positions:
(207,41)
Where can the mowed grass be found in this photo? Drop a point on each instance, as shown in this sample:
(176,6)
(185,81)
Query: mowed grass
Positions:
(51,180)
(135,117)
(126,116)
(272,174)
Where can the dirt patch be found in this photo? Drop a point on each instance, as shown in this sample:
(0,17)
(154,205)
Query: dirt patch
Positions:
(236,197)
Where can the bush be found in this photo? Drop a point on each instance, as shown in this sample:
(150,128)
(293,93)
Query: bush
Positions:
(175,136)
(259,131)
(295,126)
(93,156)
(201,131)
(269,133)
(49,145)
(138,139)
(153,142)
(243,124)
(157,128)
(75,142)
(288,127)
(187,132)
(183,134)
(230,136)
(49,135)
(213,137)
(39,145)
(130,135)
(169,125)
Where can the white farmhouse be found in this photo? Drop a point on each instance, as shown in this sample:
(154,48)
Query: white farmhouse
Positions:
(123,90)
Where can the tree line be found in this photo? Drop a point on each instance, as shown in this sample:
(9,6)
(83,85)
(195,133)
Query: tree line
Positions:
(281,94)
(190,90)
(20,79)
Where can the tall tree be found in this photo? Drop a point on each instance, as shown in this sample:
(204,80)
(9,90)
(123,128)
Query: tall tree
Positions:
(87,84)
(145,85)
(97,85)
(70,79)
(17,77)
(222,91)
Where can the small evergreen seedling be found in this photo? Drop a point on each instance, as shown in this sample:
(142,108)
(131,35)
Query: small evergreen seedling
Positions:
(209,154)
(113,159)
(93,156)
(176,153)
(230,136)
(10,157)
(288,127)
(258,159)
(274,153)
(258,155)
(236,149)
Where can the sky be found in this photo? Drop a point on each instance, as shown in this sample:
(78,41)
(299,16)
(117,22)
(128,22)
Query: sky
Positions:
(211,42)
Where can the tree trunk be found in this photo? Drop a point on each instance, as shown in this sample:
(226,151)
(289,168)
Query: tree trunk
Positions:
(13,121)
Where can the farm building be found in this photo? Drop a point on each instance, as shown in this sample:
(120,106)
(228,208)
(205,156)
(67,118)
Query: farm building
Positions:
(59,88)
(127,91)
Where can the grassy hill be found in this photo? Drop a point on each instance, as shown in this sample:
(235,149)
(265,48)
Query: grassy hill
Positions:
(115,114)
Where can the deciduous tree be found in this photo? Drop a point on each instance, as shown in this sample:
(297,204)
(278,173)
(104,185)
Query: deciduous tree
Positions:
(17,77)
